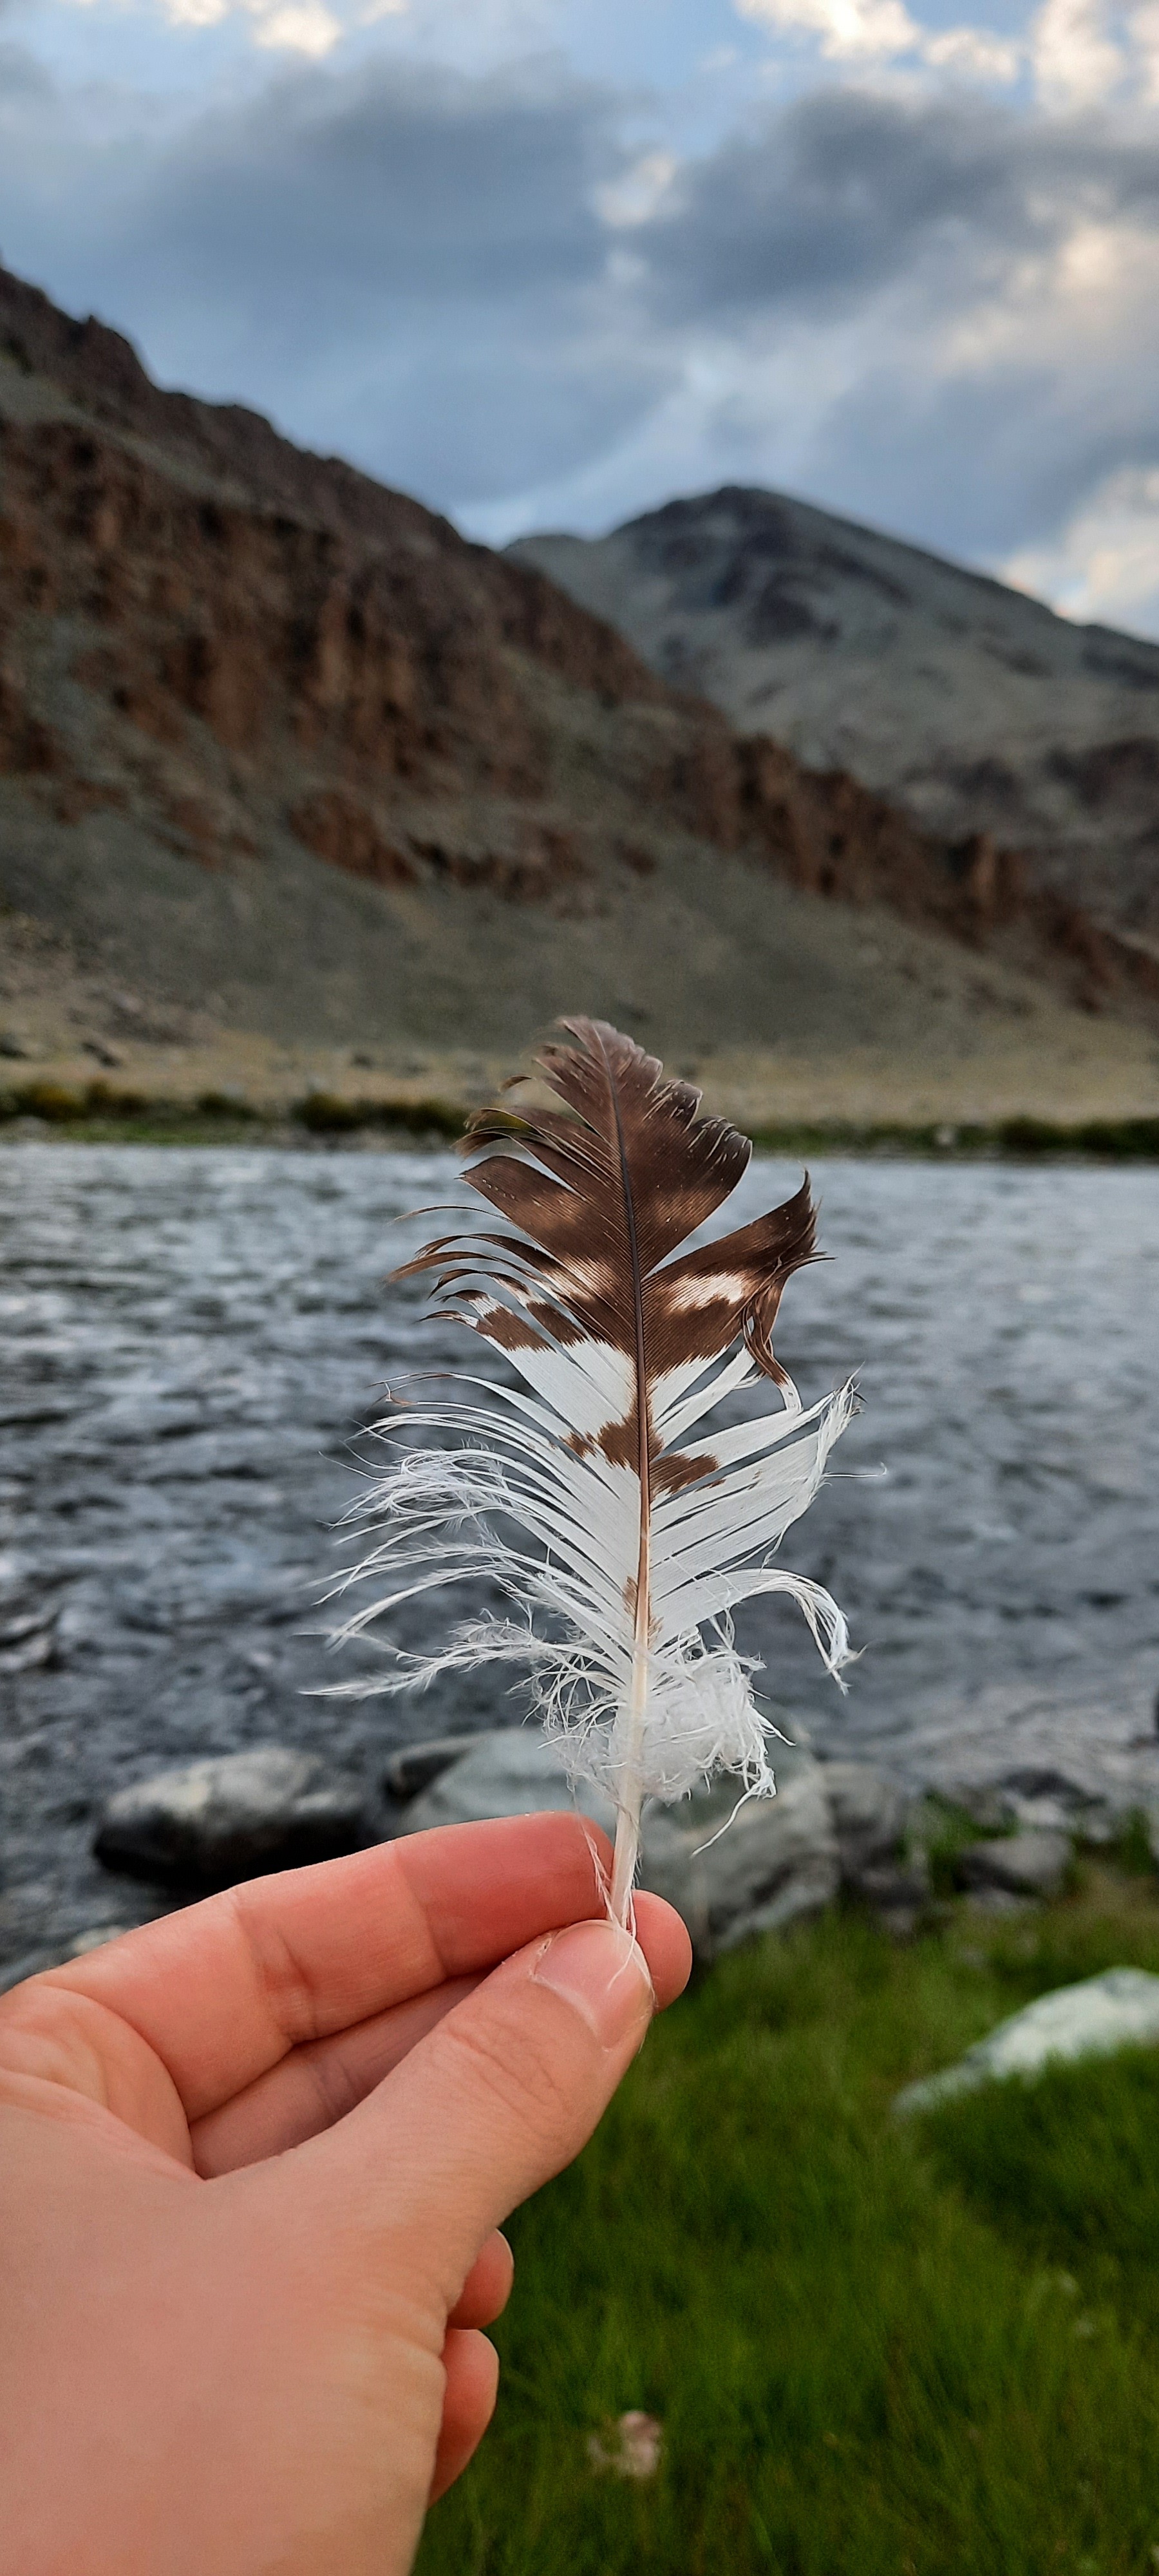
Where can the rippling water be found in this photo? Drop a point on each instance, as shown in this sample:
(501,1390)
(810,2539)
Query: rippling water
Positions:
(190,1339)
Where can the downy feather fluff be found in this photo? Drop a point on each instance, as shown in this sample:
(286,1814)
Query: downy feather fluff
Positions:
(592,1490)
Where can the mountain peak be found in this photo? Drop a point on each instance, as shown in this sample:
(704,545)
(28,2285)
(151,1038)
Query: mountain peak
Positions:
(972,704)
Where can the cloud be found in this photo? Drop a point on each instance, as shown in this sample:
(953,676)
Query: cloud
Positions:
(522,296)
(862,31)
(1077,53)
(314,27)
(400,262)
(1104,564)
(848,190)
(305,27)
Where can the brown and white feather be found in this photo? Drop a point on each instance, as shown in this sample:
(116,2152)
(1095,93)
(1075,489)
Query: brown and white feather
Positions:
(641,1539)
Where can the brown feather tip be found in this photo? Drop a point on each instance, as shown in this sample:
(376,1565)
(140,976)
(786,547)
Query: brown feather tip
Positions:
(606,1182)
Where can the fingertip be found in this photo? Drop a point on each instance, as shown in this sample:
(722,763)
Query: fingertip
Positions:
(487,2288)
(664,1940)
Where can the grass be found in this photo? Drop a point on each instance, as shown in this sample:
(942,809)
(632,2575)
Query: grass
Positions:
(1116,1140)
(878,2348)
(100,1114)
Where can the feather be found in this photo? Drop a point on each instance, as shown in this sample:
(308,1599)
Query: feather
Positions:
(620,1528)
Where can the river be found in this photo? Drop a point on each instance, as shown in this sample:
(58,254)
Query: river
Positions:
(190,1340)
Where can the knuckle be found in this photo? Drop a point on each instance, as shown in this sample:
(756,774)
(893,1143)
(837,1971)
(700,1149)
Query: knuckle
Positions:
(336,2086)
(517,2071)
(284,1983)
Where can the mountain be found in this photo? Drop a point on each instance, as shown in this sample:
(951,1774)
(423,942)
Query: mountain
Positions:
(281,752)
(974,706)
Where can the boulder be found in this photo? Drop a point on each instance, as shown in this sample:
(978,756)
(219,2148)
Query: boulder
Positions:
(1120,2009)
(1029,1864)
(232,1817)
(511,1771)
(899,1892)
(869,1816)
(735,1870)
(775,1861)
(416,1766)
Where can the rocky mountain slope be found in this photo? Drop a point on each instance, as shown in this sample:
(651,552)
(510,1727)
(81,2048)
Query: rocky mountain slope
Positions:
(976,707)
(281,752)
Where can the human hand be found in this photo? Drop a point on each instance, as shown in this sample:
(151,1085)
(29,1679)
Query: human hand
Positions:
(253,2159)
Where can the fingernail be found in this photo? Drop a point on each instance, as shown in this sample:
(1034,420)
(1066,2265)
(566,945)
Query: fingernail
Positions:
(600,1970)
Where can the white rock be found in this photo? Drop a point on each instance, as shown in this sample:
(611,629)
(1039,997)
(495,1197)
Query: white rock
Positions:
(1120,2009)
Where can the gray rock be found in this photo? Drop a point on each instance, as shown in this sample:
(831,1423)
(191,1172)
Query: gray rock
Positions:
(232,1817)
(1120,2009)
(869,1815)
(899,1891)
(1039,1797)
(989,1807)
(511,1771)
(416,1766)
(775,1862)
(1030,1864)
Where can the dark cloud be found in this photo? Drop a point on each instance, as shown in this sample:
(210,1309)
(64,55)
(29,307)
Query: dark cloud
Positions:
(406,263)
(927,212)
(846,191)
(412,183)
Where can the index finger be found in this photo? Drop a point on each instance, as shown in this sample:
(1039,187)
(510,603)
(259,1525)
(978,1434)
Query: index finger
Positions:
(223,1990)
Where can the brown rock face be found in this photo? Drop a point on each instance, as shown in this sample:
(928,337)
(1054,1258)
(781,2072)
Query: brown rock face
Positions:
(223,650)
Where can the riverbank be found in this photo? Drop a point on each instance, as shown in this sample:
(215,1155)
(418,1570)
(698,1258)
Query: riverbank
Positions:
(103,1112)
(872,2347)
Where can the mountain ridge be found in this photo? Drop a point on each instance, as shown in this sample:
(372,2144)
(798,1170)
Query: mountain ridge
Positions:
(974,705)
(282,752)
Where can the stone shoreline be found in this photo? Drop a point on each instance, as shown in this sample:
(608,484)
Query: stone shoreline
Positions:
(1003,1830)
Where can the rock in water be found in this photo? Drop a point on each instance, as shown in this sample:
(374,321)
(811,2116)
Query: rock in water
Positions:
(1120,2009)
(776,1862)
(234,1816)
(416,1766)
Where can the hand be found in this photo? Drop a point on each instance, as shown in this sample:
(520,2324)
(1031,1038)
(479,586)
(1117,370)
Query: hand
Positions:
(252,2161)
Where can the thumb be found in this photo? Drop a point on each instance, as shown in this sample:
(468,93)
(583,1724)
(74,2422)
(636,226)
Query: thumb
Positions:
(497,2098)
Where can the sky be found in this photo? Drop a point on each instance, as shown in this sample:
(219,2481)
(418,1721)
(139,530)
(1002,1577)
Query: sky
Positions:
(546,263)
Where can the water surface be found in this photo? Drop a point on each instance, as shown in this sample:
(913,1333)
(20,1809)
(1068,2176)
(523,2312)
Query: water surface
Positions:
(191,1338)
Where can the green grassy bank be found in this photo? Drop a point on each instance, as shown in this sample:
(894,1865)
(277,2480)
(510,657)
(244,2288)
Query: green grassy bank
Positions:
(877,2348)
(103,1114)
